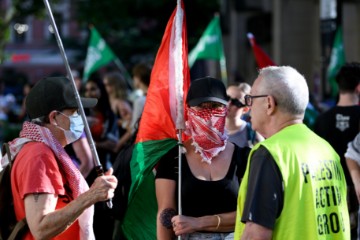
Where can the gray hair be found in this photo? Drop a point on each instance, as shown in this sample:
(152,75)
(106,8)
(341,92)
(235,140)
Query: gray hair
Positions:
(287,86)
(245,87)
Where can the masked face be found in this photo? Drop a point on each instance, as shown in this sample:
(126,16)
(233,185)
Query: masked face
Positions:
(206,126)
(76,128)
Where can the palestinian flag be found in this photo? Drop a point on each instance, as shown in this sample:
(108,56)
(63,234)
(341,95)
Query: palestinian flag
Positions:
(163,115)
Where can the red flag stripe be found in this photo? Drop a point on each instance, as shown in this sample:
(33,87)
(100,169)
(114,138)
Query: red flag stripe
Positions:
(158,118)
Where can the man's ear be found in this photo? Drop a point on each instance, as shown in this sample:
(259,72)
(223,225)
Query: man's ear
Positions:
(271,105)
(52,119)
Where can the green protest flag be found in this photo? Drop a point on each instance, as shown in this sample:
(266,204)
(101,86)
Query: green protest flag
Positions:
(98,54)
(337,60)
(210,46)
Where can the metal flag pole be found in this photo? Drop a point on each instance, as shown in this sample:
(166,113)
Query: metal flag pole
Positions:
(179,77)
(98,166)
(123,70)
(180,174)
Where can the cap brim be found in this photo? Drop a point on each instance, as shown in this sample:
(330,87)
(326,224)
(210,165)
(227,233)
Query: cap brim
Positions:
(197,101)
(88,102)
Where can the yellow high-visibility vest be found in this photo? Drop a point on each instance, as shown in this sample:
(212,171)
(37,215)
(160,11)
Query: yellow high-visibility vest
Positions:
(315,204)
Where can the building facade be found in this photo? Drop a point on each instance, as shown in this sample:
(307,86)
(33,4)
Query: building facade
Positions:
(33,51)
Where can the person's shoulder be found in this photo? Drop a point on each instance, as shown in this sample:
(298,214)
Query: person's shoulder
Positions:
(35,154)
(336,109)
(328,112)
(32,149)
(355,109)
(261,153)
(351,110)
(116,101)
(39,146)
(139,100)
(324,117)
(241,150)
(173,153)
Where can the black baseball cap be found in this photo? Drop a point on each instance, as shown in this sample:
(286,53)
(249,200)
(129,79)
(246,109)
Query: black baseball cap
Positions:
(53,93)
(206,89)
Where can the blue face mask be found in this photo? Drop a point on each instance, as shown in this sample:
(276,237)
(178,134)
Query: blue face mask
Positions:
(76,128)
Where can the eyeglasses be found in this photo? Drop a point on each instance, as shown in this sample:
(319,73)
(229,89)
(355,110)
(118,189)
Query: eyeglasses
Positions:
(75,113)
(237,103)
(249,99)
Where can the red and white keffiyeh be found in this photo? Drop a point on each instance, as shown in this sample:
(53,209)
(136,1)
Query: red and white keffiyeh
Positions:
(77,183)
(206,127)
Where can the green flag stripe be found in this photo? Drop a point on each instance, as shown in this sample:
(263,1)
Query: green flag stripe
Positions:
(142,204)
(145,156)
(142,212)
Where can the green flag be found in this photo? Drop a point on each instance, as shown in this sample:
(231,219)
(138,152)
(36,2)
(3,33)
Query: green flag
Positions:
(337,60)
(98,54)
(210,46)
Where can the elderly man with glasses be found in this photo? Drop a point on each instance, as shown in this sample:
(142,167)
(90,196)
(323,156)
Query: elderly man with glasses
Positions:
(294,185)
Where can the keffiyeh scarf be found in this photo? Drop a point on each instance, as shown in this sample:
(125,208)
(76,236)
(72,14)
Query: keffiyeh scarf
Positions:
(206,127)
(33,132)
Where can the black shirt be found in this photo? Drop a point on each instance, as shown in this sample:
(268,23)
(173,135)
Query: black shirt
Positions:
(264,197)
(339,126)
(201,197)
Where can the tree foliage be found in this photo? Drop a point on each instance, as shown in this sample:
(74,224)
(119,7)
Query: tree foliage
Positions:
(134,28)
(18,9)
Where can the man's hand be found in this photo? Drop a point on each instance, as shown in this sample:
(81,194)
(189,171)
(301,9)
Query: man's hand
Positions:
(104,186)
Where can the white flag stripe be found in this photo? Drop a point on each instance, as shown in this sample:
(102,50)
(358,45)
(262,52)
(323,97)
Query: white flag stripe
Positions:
(176,67)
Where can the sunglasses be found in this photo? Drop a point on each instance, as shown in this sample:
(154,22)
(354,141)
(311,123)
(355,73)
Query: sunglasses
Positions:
(237,103)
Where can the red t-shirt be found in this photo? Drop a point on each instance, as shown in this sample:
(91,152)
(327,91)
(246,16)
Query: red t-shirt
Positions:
(36,171)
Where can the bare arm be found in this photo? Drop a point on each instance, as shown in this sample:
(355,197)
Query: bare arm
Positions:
(224,222)
(122,141)
(45,222)
(165,195)
(165,192)
(354,170)
(83,153)
(255,231)
(126,115)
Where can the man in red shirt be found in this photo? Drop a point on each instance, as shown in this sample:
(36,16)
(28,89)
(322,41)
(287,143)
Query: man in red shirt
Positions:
(48,189)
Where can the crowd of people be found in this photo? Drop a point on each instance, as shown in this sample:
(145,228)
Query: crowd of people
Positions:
(252,169)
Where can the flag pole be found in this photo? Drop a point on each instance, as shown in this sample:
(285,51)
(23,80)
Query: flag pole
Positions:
(223,71)
(179,84)
(180,174)
(98,165)
(122,68)
(222,60)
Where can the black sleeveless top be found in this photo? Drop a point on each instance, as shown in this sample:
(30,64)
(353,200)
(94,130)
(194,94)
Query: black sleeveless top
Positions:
(202,197)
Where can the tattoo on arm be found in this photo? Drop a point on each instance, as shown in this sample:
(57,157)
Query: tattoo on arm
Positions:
(165,217)
(36,197)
